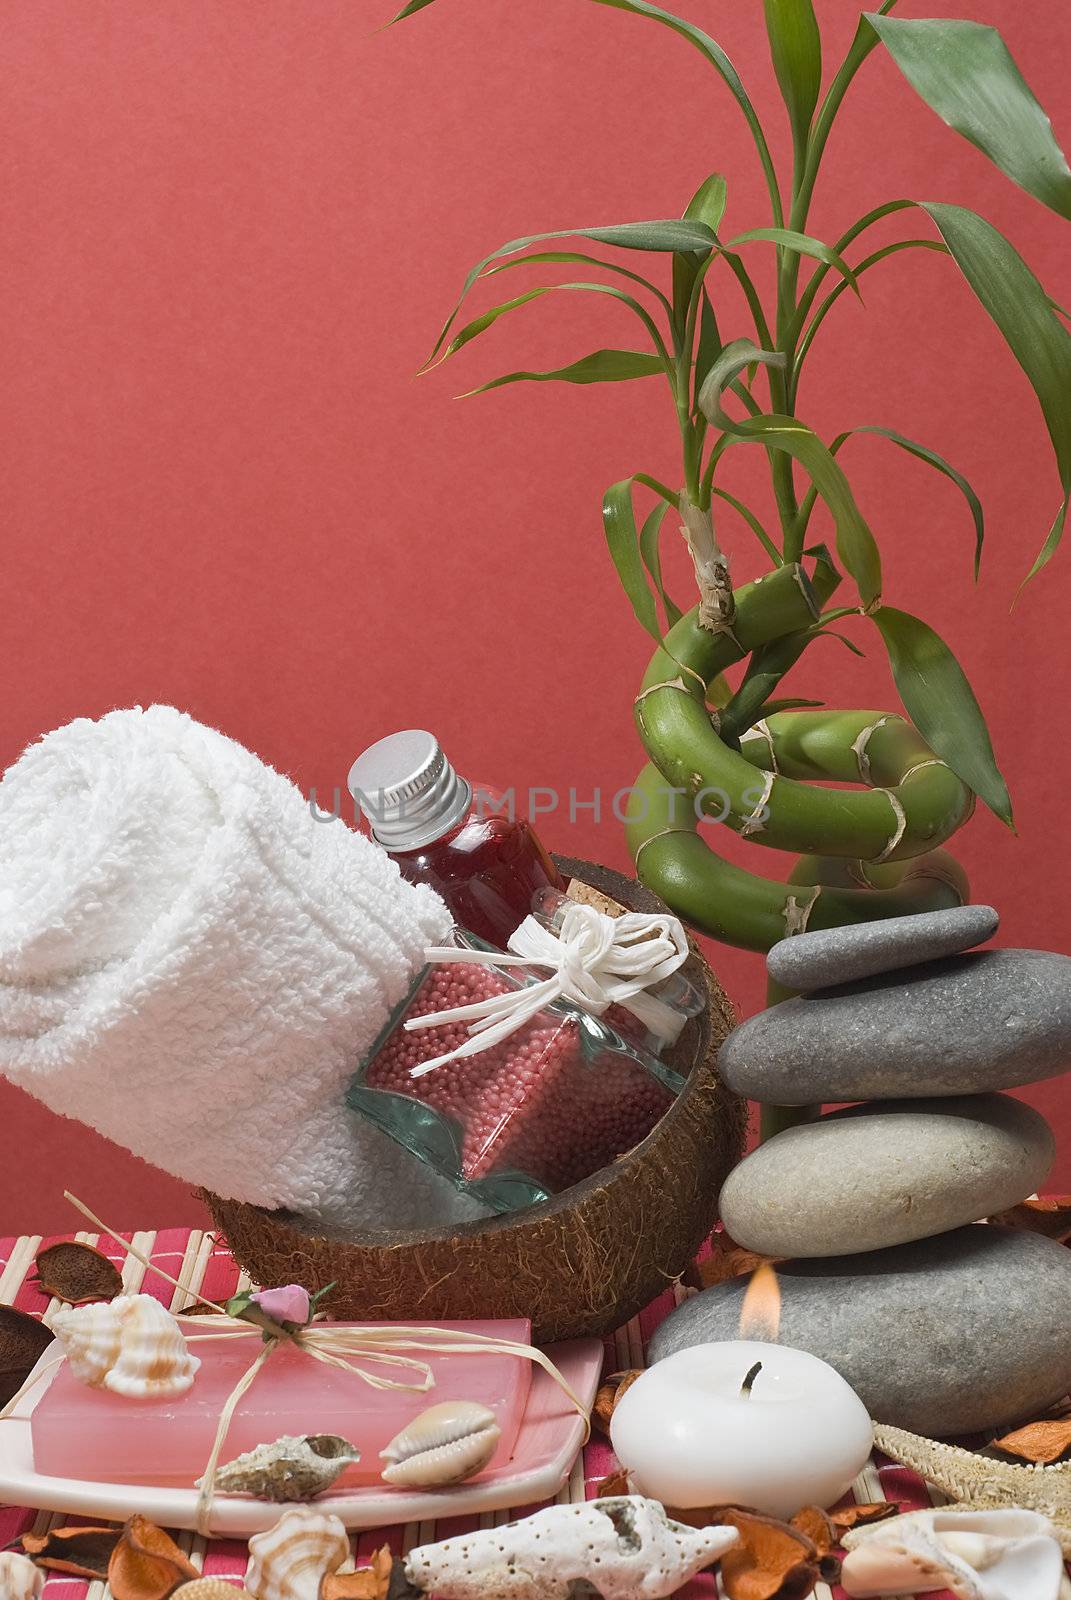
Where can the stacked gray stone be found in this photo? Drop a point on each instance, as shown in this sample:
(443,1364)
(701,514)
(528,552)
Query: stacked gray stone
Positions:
(942,1323)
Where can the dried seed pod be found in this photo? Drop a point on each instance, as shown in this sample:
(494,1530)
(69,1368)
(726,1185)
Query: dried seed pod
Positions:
(445,1444)
(291,1560)
(77,1273)
(146,1563)
(83,1552)
(19,1578)
(289,1469)
(23,1341)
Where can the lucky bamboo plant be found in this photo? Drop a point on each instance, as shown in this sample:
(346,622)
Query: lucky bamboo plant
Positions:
(747,754)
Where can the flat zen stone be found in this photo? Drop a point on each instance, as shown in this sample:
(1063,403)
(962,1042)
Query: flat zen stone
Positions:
(885,1173)
(993,1019)
(963,1333)
(842,955)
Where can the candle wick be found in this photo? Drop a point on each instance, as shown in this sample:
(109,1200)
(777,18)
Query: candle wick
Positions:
(749,1382)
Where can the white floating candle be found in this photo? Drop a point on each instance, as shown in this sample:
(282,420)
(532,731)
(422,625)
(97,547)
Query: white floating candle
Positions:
(742,1423)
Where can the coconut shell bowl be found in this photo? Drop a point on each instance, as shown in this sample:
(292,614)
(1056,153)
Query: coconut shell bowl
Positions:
(581,1263)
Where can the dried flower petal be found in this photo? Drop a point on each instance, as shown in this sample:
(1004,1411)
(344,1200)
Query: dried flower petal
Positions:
(609,1394)
(849,1517)
(1050,1216)
(613,1486)
(771,1561)
(1040,1442)
(146,1563)
(77,1273)
(83,1552)
(817,1526)
(23,1341)
(727,1260)
(370,1583)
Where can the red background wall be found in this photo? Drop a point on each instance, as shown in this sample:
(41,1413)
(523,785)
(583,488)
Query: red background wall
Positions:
(231,232)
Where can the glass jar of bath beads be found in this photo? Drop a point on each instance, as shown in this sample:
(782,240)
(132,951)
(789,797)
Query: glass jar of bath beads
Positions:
(532,1114)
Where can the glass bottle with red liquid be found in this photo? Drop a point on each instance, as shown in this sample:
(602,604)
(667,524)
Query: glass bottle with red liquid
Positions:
(461,839)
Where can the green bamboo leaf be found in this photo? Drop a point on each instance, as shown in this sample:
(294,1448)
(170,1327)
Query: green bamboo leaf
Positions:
(1020,308)
(855,542)
(411,9)
(579,258)
(796,52)
(707,206)
(772,707)
(965,72)
(663,237)
(1049,548)
(651,557)
(709,346)
(712,52)
(602,366)
(941,704)
(753,523)
(487,319)
(838,288)
(923,452)
(803,245)
(619,524)
(849,644)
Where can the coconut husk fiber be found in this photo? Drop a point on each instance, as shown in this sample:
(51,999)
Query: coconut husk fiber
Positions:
(581,1263)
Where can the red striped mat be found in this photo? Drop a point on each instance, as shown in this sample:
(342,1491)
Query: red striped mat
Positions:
(204,1266)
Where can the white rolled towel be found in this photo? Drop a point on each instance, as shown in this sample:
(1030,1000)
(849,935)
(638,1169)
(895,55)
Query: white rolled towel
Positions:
(195,965)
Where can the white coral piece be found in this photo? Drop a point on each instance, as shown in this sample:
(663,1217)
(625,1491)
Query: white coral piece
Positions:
(626,1548)
(1003,1554)
(132,1346)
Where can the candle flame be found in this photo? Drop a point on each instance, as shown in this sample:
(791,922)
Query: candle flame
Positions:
(760,1314)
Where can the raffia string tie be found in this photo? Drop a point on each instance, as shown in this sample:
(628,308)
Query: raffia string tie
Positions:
(594,961)
(321,1341)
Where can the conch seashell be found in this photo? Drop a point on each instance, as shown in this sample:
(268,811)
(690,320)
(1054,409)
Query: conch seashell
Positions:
(19,1578)
(290,1469)
(1006,1554)
(445,1444)
(291,1560)
(626,1548)
(131,1345)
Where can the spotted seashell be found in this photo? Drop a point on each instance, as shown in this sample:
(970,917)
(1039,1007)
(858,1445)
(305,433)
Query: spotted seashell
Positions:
(291,1560)
(132,1346)
(289,1469)
(623,1548)
(19,1578)
(210,1589)
(445,1444)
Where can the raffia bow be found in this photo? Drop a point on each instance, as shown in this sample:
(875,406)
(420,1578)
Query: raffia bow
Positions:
(594,961)
(334,1346)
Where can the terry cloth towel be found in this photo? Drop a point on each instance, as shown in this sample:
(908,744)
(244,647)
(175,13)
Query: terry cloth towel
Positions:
(194,965)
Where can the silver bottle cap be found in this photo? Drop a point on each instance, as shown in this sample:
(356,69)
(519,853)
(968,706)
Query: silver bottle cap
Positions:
(408,790)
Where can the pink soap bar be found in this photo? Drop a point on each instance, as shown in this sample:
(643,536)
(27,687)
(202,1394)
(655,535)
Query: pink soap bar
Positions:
(91,1434)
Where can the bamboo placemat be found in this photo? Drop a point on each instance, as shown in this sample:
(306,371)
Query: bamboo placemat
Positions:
(204,1265)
